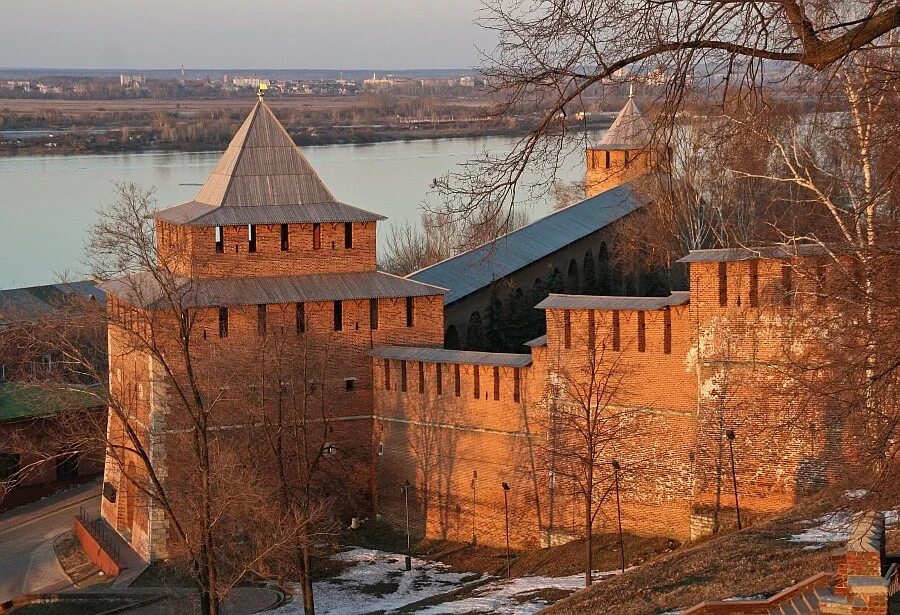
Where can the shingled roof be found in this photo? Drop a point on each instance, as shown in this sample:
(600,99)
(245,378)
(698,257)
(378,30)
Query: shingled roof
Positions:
(144,290)
(263,178)
(629,131)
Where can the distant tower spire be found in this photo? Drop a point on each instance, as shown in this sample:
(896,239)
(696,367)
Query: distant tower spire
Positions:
(261,92)
(631,90)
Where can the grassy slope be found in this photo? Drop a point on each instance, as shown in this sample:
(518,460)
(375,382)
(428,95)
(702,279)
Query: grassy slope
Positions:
(748,563)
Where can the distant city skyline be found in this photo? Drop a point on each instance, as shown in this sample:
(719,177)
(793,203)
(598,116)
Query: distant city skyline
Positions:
(222,34)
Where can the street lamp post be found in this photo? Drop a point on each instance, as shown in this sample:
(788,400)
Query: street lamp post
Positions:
(737,507)
(506,513)
(616,468)
(408,541)
(474,480)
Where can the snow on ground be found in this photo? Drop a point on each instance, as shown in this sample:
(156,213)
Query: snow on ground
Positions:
(519,596)
(835,528)
(375,582)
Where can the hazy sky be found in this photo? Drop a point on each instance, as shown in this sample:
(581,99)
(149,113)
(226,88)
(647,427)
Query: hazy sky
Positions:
(240,33)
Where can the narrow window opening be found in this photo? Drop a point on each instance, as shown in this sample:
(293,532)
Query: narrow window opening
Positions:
(476,381)
(387,375)
(616,331)
(251,237)
(223,322)
(317,236)
(517,382)
(301,318)
(403,376)
(627,156)
(723,284)
(373,314)
(592,333)
(457,380)
(787,283)
(348,235)
(285,238)
(438,381)
(496,383)
(667,331)
(410,311)
(220,241)
(608,162)
(567,326)
(261,314)
(754,283)
(421,377)
(349,384)
(338,315)
(642,332)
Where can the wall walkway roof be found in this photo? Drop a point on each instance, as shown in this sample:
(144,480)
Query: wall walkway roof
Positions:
(591,302)
(778,252)
(471,271)
(440,355)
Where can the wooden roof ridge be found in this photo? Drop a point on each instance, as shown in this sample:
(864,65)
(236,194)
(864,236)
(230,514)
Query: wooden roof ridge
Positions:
(263,166)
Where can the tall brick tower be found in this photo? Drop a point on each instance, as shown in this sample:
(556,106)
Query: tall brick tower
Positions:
(266,261)
(622,154)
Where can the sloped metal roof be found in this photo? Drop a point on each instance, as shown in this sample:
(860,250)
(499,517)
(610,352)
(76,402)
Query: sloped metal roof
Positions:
(33,301)
(199,214)
(441,355)
(591,302)
(263,178)
(536,342)
(143,290)
(779,252)
(471,271)
(629,131)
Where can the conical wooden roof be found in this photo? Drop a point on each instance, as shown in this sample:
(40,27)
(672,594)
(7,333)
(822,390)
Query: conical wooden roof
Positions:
(629,131)
(263,167)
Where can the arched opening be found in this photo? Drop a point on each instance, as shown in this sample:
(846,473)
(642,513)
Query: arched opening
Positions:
(556,283)
(451,338)
(475,332)
(603,273)
(589,271)
(573,284)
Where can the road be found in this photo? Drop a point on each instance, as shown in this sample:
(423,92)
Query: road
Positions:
(27,561)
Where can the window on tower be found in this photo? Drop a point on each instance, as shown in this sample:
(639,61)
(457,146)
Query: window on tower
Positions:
(251,237)
(284,238)
(220,242)
(348,235)
(317,236)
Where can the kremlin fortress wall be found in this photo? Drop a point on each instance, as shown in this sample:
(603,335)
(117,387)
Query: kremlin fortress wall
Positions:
(279,291)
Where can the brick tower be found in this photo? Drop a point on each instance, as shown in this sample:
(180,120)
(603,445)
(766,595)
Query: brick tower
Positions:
(622,154)
(267,262)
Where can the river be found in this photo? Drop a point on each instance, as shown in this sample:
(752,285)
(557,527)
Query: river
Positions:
(48,203)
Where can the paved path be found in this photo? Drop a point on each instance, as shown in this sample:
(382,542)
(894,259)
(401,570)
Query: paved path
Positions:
(27,561)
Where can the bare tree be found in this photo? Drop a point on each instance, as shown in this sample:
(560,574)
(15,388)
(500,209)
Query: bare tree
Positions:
(552,55)
(219,515)
(589,421)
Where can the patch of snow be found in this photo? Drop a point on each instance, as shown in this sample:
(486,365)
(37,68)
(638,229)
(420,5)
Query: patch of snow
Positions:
(519,596)
(376,582)
(745,598)
(856,494)
(835,528)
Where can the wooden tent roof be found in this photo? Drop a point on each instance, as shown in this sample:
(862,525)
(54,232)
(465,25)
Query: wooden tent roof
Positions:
(263,178)
(629,131)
